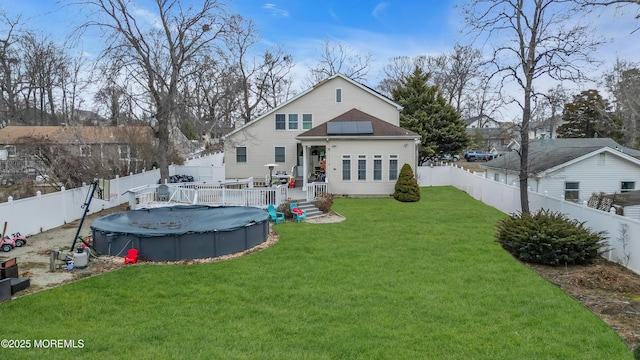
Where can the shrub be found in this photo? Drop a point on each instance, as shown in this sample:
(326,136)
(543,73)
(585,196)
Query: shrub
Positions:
(407,189)
(549,238)
(324,201)
(285,208)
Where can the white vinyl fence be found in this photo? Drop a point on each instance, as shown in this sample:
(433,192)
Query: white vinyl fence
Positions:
(39,213)
(623,232)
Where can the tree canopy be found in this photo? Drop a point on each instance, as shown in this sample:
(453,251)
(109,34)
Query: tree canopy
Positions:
(427,113)
(588,116)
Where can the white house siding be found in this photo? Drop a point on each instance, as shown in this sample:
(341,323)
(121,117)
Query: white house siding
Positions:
(602,172)
(404,149)
(261,138)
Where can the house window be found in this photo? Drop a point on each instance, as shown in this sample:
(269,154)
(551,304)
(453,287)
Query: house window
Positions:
(281,122)
(124,152)
(496,177)
(627,186)
(393,167)
(279,154)
(293,121)
(307,121)
(572,190)
(346,167)
(338,95)
(241,154)
(85,150)
(362,167)
(377,167)
(602,159)
(11,151)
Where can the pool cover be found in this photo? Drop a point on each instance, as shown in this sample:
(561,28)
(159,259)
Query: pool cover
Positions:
(178,220)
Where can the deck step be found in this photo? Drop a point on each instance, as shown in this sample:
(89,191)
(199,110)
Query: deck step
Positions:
(310,208)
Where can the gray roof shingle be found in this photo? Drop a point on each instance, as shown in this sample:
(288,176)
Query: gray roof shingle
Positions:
(549,153)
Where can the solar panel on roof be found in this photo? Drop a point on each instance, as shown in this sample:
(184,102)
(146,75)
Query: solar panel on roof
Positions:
(349,128)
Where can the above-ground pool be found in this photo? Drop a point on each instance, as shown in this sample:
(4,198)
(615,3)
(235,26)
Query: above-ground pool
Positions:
(181,232)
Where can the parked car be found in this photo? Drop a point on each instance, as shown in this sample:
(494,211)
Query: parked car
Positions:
(449,157)
(474,155)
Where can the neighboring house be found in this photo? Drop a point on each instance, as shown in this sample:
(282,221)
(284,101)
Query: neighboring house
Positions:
(482,122)
(354,129)
(122,144)
(494,134)
(546,129)
(573,168)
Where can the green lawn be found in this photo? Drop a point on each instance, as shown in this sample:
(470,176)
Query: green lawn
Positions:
(394,281)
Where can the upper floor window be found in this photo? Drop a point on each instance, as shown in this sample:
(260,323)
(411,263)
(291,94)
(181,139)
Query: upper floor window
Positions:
(241,154)
(338,95)
(124,152)
(281,122)
(11,150)
(627,186)
(293,121)
(307,121)
(85,150)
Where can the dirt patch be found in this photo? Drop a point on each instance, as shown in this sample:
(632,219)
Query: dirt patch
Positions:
(608,289)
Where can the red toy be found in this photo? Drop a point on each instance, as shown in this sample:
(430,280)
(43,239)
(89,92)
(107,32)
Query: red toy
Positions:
(19,239)
(132,257)
(7,244)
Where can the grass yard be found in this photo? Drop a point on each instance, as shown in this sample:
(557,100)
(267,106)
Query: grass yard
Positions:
(394,281)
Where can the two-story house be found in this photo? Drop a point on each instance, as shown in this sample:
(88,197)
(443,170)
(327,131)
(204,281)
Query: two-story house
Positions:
(339,131)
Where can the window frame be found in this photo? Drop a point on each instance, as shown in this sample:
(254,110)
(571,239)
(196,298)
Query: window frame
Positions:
(289,122)
(346,170)
(85,150)
(246,157)
(393,175)
(276,155)
(572,190)
(307,124)
(283,122)
(378,168)
(338,95)
(624,189)
(362,172)
(126,150)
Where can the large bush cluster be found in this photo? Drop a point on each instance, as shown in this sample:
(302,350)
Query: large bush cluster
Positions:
(549,238)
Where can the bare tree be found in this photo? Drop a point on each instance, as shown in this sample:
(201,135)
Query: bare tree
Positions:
(44,66)
(157,54)
(623,82)
(397,69)
(262,77)
(531,39)
(338,58)
(10,66)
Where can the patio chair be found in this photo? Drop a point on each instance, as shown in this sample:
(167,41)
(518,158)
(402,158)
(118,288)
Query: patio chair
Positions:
(276,216)
(296,212)
(163,193)
(132,257)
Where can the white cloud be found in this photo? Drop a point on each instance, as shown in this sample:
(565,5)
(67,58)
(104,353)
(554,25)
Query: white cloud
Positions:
(275,11)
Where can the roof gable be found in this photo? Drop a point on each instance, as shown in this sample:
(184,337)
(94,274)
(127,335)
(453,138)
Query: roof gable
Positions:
(314,87)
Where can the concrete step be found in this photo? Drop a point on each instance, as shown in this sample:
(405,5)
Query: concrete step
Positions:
(310,208)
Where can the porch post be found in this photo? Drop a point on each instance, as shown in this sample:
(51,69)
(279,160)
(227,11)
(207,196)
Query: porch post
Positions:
(305,161)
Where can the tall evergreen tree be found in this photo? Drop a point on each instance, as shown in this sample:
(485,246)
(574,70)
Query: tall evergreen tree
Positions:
(427,113)
(588,116)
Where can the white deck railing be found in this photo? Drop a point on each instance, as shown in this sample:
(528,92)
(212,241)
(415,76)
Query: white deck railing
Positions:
(206,194)
(314,189)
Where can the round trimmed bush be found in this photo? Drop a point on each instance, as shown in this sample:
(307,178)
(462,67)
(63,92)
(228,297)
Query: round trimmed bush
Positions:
(549,238)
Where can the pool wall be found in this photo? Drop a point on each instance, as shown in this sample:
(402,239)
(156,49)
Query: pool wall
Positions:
(184,245)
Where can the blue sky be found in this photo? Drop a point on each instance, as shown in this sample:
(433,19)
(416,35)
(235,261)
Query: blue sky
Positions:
(384,29)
